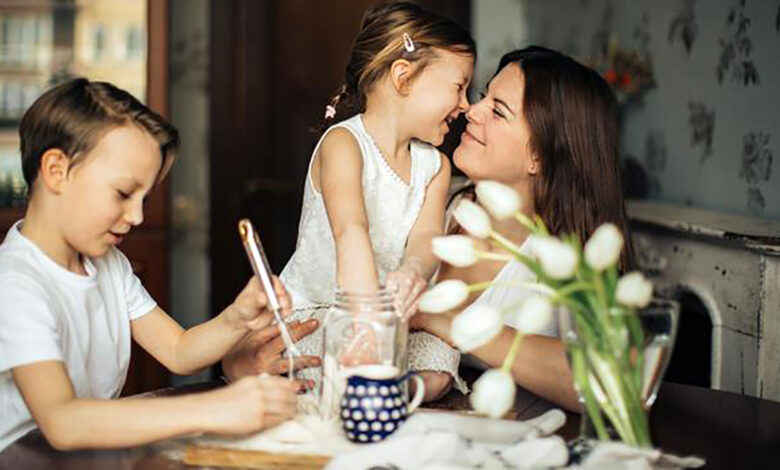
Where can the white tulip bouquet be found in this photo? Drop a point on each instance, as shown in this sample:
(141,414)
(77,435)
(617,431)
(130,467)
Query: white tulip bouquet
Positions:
(607,357)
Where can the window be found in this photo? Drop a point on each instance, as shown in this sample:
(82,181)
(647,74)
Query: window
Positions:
(47,41)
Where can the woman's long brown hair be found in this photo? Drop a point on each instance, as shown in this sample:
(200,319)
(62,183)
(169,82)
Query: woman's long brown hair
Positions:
(572,116)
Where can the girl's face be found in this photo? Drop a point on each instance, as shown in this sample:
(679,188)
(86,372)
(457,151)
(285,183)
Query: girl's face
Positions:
(438,95)
(495,143)
(103,196)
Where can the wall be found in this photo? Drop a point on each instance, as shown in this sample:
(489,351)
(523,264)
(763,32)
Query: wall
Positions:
(706,135)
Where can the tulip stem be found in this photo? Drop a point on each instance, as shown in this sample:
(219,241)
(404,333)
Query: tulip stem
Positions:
(494,256)
(525,221)
(504,242)
(510,356)
(478,286)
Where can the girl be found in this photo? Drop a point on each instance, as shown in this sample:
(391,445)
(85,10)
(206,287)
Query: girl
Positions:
(546,126)
(376,188)
(71,303)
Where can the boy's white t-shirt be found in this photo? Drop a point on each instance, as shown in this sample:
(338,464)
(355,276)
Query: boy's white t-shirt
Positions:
(48,313)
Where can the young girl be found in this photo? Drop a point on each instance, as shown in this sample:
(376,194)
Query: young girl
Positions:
(376,188)
(70,302)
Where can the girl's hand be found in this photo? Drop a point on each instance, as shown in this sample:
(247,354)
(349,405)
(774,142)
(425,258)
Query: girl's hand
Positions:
(251,404)
(410,285)
(250,309)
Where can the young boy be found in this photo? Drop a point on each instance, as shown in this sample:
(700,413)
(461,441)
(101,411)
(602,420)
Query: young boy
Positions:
(70,303)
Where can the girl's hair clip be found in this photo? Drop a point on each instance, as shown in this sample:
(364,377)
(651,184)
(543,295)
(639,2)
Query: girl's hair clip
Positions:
(408,44)
(330,112)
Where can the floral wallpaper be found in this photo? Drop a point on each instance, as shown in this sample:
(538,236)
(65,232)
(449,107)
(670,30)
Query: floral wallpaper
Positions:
(707,133)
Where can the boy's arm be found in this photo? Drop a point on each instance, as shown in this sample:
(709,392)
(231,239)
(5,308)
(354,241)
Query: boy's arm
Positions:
(71,423)
(341,167)
(419,263)
(186,352)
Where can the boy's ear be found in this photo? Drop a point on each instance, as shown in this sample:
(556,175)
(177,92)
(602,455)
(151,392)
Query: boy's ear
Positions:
(400,74)
(54,169)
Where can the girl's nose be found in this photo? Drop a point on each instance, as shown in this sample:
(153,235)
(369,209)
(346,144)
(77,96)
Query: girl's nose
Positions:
(463,104)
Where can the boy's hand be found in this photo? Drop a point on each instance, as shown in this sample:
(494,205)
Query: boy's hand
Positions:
(251,310)
(410,285)
(251,404)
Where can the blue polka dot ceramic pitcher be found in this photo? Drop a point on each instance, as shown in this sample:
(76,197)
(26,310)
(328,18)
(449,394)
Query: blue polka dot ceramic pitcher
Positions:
(374,404)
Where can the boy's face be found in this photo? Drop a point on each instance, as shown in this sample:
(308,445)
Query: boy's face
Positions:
(102,198)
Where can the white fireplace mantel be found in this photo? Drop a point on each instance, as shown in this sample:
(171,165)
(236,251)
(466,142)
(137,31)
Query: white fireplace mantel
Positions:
(732,264)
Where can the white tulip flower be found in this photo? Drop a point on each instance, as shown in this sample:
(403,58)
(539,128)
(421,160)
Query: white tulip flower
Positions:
(633,290)
(472,218)
(444,296)
(558,259)
(535,314)
(457,250)
(475,327)
(603,248)
(499,199)
(494,393)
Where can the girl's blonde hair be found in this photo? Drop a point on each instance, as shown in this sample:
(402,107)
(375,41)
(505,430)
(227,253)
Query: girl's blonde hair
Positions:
(382,40)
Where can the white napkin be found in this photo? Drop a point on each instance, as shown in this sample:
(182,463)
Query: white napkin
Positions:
(614,455)
(447,440)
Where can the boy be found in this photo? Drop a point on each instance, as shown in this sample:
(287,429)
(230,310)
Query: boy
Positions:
(70,303)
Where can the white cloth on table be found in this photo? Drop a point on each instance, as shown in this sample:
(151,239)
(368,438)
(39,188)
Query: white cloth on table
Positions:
(617,456)
(446,440)
(48,313)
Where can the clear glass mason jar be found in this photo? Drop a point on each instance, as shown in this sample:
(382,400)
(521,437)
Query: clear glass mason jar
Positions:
(361,329)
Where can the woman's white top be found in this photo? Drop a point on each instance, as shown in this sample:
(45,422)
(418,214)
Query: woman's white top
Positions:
(507,292)
(392,207)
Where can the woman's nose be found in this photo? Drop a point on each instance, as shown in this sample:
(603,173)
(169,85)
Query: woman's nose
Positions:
(475,113)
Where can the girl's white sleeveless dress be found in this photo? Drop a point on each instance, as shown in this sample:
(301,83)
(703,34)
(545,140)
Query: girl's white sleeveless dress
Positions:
(392,207)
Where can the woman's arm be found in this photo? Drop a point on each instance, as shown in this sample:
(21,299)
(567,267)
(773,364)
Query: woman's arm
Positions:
(69,423)
(262,351)
(337,170)
(540,365)
(186,352)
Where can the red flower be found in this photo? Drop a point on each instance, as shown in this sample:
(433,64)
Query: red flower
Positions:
(625,79)
(610,76)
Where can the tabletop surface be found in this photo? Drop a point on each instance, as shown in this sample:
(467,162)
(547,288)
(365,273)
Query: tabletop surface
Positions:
(728,430)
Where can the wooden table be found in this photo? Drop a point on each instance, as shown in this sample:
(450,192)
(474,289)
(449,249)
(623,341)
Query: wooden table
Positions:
(730,431)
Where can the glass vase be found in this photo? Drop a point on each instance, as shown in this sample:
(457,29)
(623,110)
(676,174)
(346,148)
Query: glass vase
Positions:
(617,360)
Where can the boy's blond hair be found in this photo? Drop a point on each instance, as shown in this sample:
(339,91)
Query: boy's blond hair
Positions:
(75,115)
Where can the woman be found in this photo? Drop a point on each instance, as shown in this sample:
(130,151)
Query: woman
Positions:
(547,126)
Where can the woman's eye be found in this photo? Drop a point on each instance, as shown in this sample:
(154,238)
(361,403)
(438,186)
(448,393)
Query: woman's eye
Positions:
(123,195)
(498,113)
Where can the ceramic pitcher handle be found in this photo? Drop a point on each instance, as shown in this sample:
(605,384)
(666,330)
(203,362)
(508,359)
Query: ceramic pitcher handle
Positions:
(419,392)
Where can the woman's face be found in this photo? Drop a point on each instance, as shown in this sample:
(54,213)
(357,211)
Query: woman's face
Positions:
(495,143)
